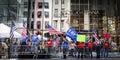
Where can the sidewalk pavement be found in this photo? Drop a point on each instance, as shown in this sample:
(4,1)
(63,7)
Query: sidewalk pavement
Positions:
(111,55)
(59,56)
(67,59)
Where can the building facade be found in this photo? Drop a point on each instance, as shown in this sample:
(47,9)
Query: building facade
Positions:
(83,15)
(102,15)
(61,14)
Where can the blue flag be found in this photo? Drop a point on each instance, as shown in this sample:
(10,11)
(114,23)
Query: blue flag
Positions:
(71,33)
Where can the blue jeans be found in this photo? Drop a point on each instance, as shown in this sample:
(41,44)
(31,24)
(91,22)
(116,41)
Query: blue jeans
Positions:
(106,53)
(34,45)
(48,50)
(14,50)
(90,52)
(28,48)
(54,50)
(64,52)
(102,51)
(80,52)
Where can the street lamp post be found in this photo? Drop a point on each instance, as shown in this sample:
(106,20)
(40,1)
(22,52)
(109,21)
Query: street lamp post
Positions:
(28,17)
(60,14)
(43,17)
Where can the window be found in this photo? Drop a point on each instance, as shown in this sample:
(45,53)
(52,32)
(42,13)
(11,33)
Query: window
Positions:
(62,11)
(56,12)
(99,2)
(39,4)
(32,25)
(33,5)
(46,14)
(56,2)
(63,1)
(82,1)
(39,14)
(25,13)
(32,14)
(62,25)
(73,1)
(46,24)
(46,4)
(55,24)
(38,24)
(108,2)
(25,4)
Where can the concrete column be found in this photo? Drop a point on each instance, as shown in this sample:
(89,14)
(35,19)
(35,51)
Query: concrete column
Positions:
(86,20)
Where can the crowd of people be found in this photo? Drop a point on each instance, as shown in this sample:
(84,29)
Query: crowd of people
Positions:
(54,45)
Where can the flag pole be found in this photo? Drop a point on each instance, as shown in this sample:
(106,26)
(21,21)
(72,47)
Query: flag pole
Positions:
(93,21)
(35,17)
(11,37)
(60,14)
(28,17)
(88,16)
(79,17)
(43,16)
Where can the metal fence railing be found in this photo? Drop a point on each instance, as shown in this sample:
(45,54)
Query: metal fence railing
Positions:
(41,50)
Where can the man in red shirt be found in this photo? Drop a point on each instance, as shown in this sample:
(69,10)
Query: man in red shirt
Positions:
(80,46)
(49,46)
(90,45)
(106,48)
(49,43)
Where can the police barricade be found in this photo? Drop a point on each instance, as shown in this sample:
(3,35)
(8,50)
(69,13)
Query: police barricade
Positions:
(39,51)
(43,51)
(3,53)
(57,52)
(21,51)
(33,51)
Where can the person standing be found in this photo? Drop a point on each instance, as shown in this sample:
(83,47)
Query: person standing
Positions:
(49,46)
(40,47)
(118,50)
(80,46)
(14,47)
(98,48)
(4,48)
(90,45)
(102,47)
(106,48)
(72,50)
(28,43)
(65,47)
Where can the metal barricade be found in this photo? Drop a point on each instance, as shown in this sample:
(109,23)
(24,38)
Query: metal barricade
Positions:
(41,51)
(22,49)
(3,53)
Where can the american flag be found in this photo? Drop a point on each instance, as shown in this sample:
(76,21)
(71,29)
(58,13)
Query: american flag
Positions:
(53,31)
(12,29)
(24,29)
(57,38)
(95,36)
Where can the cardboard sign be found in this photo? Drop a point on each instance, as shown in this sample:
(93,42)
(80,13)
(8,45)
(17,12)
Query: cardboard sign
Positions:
(81,38)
